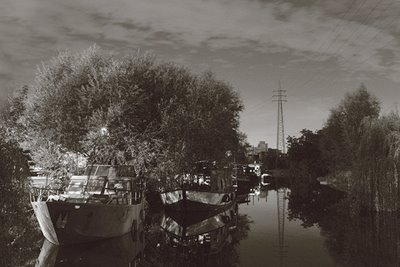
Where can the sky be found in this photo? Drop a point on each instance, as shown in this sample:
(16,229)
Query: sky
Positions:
(317,50)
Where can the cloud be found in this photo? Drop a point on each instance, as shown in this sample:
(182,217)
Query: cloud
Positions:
(316,32)
(313,32)
(342,33)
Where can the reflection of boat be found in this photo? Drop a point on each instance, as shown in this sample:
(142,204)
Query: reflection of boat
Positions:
(118,251)
(243,198)
(210,188)
(243,192)
(254,191)
(247,196)
(105,202)
(210,232)
(266,178)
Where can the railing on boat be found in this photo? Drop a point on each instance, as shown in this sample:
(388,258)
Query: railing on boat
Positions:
(42,193)
(106,184)
(121,196)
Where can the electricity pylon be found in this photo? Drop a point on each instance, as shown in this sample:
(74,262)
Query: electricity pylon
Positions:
(280,97)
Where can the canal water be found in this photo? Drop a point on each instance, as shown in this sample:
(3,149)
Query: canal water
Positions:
(274,240)
(266,227)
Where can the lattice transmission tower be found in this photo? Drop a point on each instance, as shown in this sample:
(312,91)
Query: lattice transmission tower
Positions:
(280,97)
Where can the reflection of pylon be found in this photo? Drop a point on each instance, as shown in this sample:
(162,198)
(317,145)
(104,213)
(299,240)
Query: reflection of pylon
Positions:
(280,97)
(281,205)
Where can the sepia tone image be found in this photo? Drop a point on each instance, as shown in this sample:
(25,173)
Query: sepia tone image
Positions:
(200,133)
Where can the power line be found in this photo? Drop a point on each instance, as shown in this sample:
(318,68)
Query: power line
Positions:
(357,9)
(363,21)
(388,25)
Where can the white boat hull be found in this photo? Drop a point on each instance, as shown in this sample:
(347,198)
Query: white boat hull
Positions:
(67,223)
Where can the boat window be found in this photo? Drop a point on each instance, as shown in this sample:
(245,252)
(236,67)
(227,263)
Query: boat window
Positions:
(128,171)
(122,185)
(121,171)
(90,170)
(102,171)
(75,187)
(95,186)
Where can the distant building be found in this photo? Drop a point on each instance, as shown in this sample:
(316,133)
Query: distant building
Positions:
(256,153)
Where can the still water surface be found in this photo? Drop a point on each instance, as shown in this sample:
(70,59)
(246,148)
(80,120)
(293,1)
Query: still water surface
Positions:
(267,227)
(274,241)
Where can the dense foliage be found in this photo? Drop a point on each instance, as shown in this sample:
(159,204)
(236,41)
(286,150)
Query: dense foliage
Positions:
(356,146)
(156,115)
(342,131)
(305,161)
(16,219)
(376,173)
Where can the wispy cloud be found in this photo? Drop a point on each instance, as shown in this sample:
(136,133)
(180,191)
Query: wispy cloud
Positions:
(312,31)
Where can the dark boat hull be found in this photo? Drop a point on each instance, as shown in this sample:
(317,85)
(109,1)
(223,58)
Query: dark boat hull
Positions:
(183,200)
(70,223)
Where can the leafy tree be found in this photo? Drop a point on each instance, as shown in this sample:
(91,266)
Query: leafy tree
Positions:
(16,222)
(274,159)
(341,134)
(10,125)
(305,161)
(304,155)
(240,153)
(366,146)
(156,115)
(376,168)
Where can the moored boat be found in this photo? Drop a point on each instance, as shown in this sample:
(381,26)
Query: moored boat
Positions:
(106,202)
(209,188)
(246,173)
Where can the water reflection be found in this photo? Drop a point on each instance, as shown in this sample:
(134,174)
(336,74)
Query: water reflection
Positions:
(278,237)
(122,251)
(352,240)
(272,225)
(201,240)
(185,229)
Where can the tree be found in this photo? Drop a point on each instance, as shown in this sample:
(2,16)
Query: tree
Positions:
(15,212)
(304,155)
(376,169)
(305,161)
(156,115)
(342,131)
(10,125)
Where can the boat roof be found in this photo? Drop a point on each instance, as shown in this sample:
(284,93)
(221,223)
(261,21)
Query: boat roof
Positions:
(110,170)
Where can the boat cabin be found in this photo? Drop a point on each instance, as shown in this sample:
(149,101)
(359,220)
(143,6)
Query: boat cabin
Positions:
(208,175)
(104,184)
